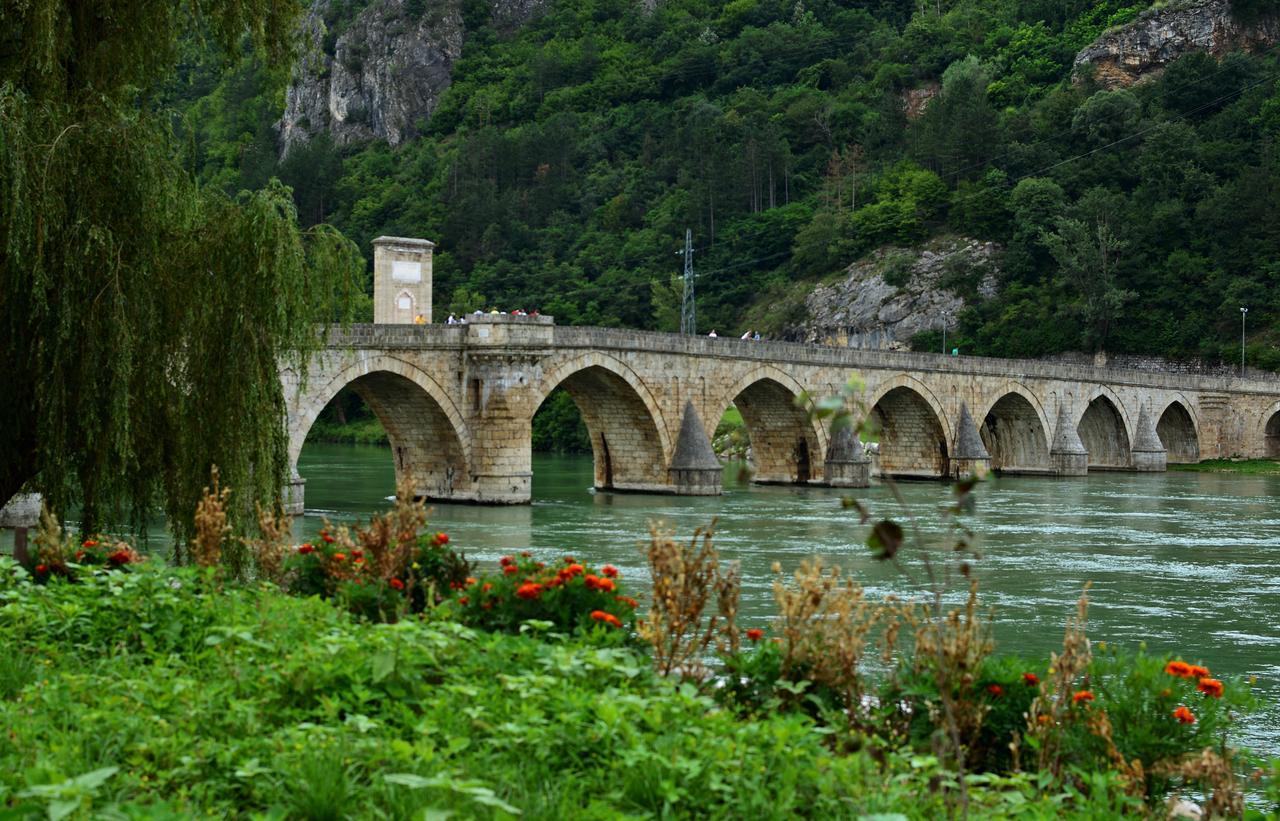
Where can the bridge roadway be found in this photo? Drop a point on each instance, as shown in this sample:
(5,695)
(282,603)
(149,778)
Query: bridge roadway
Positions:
(458,403)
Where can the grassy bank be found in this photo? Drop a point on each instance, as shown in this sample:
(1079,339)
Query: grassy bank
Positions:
(368,431)
(152,694)
(1252,467)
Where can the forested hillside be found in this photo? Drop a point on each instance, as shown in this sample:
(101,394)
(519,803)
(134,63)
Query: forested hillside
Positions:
(564,162)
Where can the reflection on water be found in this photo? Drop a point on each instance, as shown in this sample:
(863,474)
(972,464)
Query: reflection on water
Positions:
(1187,562)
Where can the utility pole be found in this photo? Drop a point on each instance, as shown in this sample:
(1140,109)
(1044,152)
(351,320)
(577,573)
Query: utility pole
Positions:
(944,333)
(688,318)
(1243,313)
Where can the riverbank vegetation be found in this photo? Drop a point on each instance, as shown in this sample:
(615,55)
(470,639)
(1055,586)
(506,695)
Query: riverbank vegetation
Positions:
(1251,467)
(378,673)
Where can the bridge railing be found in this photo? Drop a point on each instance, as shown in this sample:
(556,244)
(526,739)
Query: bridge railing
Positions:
(586,337)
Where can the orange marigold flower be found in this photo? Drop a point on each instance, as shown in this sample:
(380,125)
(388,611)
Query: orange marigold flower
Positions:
(1184,715)
(576,569)
(755,634)
(471,580)
(569,560)
(120,557)
(441,538)
(1210,686)
(486,587)
(555,581)
(339,557)
(529,590)
(540,565)
(995,690)
(1082,695)
(628,601)
(89,543)
(525,553)
(397,584)
(42,568)
(605,585)
(1030,679)
(591,581)
(1178,668)
(599,615)
(357,554)
(612,620)
(79,555)
(1043,719)
(610,571)
(1199,672)
(510,569)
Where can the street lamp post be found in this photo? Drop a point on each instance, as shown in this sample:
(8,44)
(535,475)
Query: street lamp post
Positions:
(1243,313)
(944,333)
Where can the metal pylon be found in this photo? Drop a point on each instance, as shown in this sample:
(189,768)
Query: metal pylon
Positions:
(688,318)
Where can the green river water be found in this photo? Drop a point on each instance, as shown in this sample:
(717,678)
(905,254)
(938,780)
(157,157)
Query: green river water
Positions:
(1187,562)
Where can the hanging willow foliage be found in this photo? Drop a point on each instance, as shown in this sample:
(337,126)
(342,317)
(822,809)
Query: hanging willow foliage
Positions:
(143,319)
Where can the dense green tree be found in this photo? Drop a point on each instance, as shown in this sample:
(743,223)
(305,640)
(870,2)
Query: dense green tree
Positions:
(143,316)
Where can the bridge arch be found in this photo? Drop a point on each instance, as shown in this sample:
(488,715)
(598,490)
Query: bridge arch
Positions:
(630,441)
(1179,432)
(428,437)
(913,429)
(1271,432)
(1015,430)
(1104,428)
(786,445)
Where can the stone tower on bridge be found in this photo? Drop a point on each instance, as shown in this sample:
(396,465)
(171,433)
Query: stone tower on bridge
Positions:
(401,280)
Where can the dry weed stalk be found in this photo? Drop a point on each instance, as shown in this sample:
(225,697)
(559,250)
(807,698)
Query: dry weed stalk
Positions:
(824,621)
(1049,709)
(951,646)
(212,527)
(684,582)
(389,540)
(53,547)
(272,546)
(1226,800)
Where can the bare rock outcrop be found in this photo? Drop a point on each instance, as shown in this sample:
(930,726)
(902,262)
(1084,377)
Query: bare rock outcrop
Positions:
(896,293)
(379,71)
(1142,48)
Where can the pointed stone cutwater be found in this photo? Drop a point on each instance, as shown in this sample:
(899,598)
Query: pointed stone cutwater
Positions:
(694,470)
(969,457)
(1147,453)
(847,464)
(1067,454)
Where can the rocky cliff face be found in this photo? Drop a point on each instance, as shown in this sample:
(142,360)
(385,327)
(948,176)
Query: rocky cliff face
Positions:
(378,72)
(895,294)
(1141,49)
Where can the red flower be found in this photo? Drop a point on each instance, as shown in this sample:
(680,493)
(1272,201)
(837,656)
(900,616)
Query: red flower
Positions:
(510,569)
(324,535)
(628,601)
(441,538)
(120,557)
(1184,715)
(590,581)
(526,554)
(471,580)
(610,571)
(599,615)
(486,587)
(1199,672)
(357,554)
(1211,687)
(555,581)
(464,601)
(540,565)
(339,557)
(755,634)
(1030,679)
(79,555)
(506,560)
(569,560)
(576,570)
(995,690)
(607,618)
(397,584)
(304,549)
(42,568)
(1082,695)
(89,543)
(1178,668)
(529,590)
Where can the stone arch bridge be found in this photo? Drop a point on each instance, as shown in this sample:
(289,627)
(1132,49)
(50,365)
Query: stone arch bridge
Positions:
(458,403)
